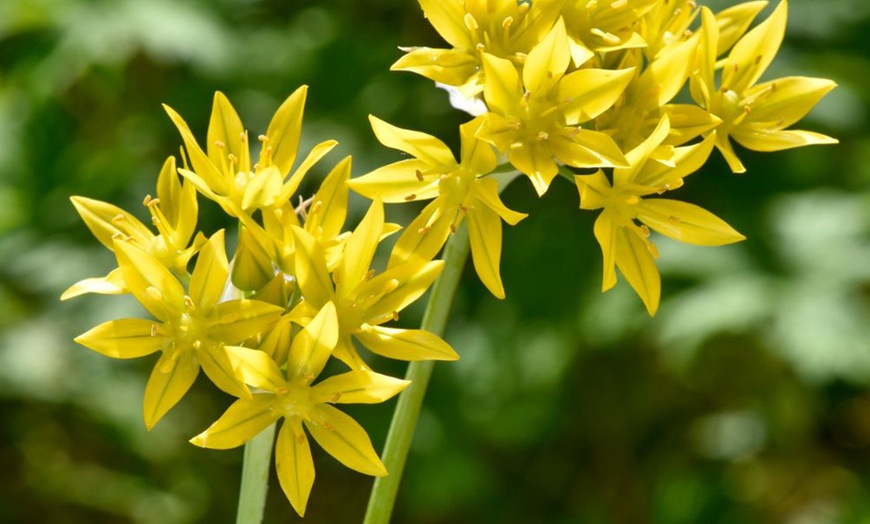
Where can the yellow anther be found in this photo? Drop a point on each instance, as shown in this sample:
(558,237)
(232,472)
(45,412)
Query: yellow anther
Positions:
(410,197)
(146,201)
(282,390)
(507,22)
(263,138)
(758,59)
(369,274)
(154,293)
(543,135)
(219,144)
(336,397)
(188,302)
(395,315)
(470,22)
(674,220)
(591,5)
(154,329)
(645,231)
(232,158)
(419,175)
(604,35)
(308,376)
(480,47)
(423,230)
(618,4)
(197,344)
(119,217)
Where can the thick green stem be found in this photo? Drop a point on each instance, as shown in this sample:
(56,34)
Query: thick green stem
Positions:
(407,412)
(255,477)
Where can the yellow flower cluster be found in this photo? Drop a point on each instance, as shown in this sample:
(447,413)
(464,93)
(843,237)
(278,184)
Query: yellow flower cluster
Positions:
(591,84)
(565,84)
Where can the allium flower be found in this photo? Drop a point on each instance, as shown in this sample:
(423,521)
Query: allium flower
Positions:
(294,399)
(191,331)
(625,243)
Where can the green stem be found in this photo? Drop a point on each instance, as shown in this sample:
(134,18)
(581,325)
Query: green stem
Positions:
(255,477)
(407,412)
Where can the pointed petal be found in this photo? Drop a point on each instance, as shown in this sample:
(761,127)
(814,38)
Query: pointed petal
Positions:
(200,162)
(449,66)
(328,210)
(702,82)
(313,345)
(723,144)
(687,122)
(171,378)
(760,139)
(535,160)
(124,338)
(501,88)
(424,237)
(285,129)
(734,21)
(664,77)
(149,281)
(108,222)
(257,367)
(547,61)
(310,265)
(396,182)
(484,234)
(686,222)
(594,190)
(241,422)
(225,132)
(755,51)
(590,92)
(294,464)
(486,191)
(252,267)
(605,230)
(786,100)
(406,344)
(220,370)
(111,284)
(343,438)
(314,156)
(263,190)
(169,192)
(448,19)
(359,250)
(586,148)
(358,387)
(412,279)
(477,155)
(687,160)
(635,262)
(233,321)
(210,274)
(419,145)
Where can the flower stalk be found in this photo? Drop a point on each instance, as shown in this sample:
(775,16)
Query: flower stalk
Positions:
(401,432)
(255,477)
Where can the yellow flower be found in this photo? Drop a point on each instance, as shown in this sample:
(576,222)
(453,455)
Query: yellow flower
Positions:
(755,115)
(503,28)
(535,118)
(173,212)
(225,174)
(300,404)
(603,26)
(624,243)
(192,329)
(459,189)
(365,301)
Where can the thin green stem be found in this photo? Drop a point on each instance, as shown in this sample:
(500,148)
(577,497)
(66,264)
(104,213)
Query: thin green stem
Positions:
(255,477)
(407,412)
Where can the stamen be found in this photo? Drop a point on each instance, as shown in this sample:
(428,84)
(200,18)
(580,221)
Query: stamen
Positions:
(197,344)
(219,144)
(188,302)
(470,22)
(423,230)
(154,293)
(336,397)
(263,138)
(619,4)
(604,35)
(410,197)
(395,315)
(591,5)
(146,200)
(369,274)
(758,59)
(645,230)
(154,330)
(419,175)
(119,217)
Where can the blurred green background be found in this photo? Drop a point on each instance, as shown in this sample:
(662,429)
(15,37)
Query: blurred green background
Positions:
(745,400)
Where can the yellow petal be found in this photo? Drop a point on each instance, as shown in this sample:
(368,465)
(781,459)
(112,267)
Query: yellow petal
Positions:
(328,210)
(701,83)
(124,338)
(149,281)
(687,160)
(210,274)
(310,265)
(411,280)
(359,250)
(486,191)
(535,160)
(221,371)
(292,184)
(406,344)
(755,51)
(734,21)
(171,378)
(547,61)
(252,267)
(686,222)
(200,162)
(591,92)
(687,122)
(313,345)
(447,17)
(241,422)
(421,146)
(343,438)
(234,321)
(285,130)
(594,190)
(760,139)
(664,77)
(397,182)
(225,133)
(477,155)
(605,230)
(262,190)
(723,144)
(448,66)
(257,367)
(111,284)
(498,131)
(586,148)
(501,89)
(294,465)
(484,235)
(358,387)
(638,156)
(635,262)
(107,222)
(424,237)
(784,101)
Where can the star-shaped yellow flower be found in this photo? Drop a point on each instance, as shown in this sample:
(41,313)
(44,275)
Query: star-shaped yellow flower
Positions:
(755,115)
(535,118)
(459,189)
(625,243)
(294,399)
(191,330)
